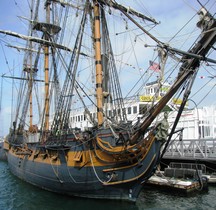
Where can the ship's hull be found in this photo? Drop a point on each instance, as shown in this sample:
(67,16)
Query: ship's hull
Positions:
(88,180)
(2,152)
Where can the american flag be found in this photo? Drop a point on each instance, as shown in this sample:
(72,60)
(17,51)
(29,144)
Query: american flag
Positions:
(154,66)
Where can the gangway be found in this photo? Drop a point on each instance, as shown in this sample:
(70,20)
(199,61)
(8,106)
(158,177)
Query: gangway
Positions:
(192,149)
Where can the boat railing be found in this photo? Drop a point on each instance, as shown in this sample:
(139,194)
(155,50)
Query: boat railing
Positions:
(194,166)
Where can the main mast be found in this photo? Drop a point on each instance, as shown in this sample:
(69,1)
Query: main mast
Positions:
(46,68)
(98,64)
(31,81)
(31,86)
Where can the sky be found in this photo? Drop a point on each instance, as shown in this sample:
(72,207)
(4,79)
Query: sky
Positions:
(171,14)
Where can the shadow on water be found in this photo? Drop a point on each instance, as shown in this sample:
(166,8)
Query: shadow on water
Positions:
(18,195)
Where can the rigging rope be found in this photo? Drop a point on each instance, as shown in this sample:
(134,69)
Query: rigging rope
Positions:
(65,102)
(95,172)
(206,94)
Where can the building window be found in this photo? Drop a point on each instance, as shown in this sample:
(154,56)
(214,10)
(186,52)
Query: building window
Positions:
(129,110)
(134,109)
(114,112)
(142,109)
(109,113)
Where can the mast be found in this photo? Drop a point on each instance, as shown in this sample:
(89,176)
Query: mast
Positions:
(98,64)
(31,83)
(46,68)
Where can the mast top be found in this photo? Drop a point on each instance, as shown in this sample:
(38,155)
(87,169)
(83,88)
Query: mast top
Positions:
(205,19)
(115,5)
(47,27)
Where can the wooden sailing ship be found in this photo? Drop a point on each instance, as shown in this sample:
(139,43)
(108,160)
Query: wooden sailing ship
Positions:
(113,158)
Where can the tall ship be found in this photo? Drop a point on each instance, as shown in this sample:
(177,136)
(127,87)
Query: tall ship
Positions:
(111,156)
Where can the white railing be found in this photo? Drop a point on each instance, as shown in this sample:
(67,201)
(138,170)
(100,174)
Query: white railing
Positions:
(192,149)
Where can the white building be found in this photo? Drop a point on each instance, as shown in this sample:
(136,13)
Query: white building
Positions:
(196,123)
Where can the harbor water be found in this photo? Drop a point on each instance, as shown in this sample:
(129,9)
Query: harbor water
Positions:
(18,195)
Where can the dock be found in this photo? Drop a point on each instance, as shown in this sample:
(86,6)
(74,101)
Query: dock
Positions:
(211,178)
(185,186)
(184,177)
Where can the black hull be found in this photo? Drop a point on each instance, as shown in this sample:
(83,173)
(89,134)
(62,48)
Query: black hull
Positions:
(90,182)
(2,152)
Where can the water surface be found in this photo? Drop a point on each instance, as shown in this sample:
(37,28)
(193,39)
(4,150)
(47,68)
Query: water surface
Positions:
(18,195)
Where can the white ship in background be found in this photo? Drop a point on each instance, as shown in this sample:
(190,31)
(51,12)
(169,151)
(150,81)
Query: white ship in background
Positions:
(195,123)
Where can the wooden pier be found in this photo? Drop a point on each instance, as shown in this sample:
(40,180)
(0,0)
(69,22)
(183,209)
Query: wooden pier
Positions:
(184,177)
(185,186)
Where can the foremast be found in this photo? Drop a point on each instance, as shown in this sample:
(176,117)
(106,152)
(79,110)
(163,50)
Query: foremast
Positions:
(102,93)
(98,64)
(46,68)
